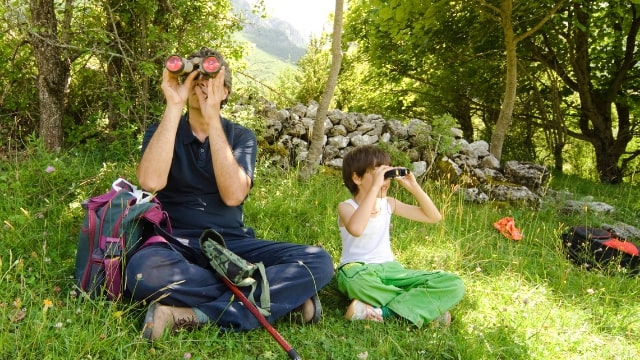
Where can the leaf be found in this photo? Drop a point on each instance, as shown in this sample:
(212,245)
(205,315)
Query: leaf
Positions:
(385,14)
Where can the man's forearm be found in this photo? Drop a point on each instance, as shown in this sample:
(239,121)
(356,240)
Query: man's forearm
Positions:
(233,182)
(153,169)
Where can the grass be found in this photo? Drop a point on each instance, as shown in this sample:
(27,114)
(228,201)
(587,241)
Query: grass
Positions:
(524,300)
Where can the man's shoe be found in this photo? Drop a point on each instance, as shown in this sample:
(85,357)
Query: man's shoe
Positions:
(160,317)
(312,310)
(309,312)
(358,310)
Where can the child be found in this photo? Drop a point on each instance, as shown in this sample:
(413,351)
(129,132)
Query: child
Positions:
(379,286)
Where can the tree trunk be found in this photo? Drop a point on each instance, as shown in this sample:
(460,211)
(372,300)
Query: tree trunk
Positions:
(462,113)
(511,83)
(552,122)
(596,120)
(574,56)
(558,128)
(118,31)
(53,72)
(608,149)
(317,137)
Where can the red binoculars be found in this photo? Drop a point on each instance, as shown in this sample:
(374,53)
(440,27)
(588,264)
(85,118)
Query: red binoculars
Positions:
(209,65)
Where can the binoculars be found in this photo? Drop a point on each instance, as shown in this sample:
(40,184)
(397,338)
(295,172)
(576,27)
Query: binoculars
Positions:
(209,65)
(397,172)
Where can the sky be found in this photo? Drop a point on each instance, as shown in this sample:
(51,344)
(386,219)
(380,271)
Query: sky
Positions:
(307,16)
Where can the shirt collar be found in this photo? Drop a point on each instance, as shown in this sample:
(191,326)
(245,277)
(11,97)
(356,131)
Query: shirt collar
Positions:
(184,131)
(186,135)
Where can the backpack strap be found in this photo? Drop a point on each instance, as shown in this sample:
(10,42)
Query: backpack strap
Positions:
(265,295)
(158,217)
(92,220)
(112,266)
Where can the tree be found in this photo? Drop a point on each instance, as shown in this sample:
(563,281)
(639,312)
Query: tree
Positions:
(417,59)
(308,80)
(315,148)
(594,50)
(115,51)
(504,14)
(423,51)
(53,62)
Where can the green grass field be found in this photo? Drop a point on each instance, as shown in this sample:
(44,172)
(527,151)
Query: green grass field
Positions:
(524,300)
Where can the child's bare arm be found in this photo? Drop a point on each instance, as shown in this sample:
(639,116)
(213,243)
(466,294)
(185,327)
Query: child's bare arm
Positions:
(426,211)
(355,220)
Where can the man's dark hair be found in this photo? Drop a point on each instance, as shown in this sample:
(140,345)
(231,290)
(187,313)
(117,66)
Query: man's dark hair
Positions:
(204,52)
(360,160)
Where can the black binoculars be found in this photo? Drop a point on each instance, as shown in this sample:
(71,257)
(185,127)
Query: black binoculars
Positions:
(209,65)
(397,172)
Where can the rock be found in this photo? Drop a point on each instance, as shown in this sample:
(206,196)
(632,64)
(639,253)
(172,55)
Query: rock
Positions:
(533,176)
(474,195)
(623,230)
(472,165)
(573,206)
(360,140)
(513,194)
(419,168)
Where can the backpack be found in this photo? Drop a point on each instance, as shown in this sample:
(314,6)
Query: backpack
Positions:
(597,248)
(116,225)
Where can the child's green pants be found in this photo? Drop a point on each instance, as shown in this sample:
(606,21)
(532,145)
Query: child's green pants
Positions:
(417,295)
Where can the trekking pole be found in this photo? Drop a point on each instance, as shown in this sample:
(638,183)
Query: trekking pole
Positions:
(263,321)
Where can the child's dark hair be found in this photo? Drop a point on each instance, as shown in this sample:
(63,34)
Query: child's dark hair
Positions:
(360,160)
(203,53)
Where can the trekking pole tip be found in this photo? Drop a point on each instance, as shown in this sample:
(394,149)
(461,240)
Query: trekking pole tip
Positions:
(293,355)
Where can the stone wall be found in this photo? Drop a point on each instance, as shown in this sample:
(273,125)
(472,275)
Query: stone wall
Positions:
(478,173)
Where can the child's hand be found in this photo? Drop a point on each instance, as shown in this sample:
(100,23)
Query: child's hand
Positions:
(378,175)
(408,181)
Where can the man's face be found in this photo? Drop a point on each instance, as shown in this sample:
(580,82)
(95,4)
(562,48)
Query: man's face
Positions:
(200,89)
(201,83)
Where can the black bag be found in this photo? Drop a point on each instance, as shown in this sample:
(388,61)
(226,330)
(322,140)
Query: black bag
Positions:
(597,248)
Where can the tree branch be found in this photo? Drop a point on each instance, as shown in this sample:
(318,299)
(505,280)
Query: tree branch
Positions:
(540,23)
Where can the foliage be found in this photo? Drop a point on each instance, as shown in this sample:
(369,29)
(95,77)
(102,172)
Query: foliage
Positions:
(307,81)
(524,300)
(585,36)
(415,58)
(18,111)
(246,115)
(120,51)
(444,63)
(403,60)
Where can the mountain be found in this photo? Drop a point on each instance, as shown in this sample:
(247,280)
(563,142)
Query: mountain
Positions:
(272,36)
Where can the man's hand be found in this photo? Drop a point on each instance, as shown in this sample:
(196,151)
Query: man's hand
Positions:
(174,92)
(211,93)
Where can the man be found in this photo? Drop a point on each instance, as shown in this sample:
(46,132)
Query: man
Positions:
(202,165)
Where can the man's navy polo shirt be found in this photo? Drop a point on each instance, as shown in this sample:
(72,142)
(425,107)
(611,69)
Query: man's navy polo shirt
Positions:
(191,197)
